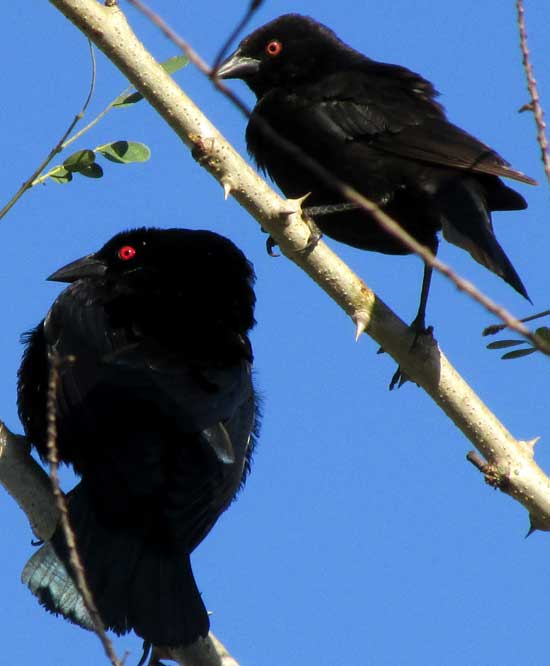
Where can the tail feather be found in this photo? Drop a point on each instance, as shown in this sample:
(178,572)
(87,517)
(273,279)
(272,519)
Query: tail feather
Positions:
(466,223)
(47,578)
(136,582)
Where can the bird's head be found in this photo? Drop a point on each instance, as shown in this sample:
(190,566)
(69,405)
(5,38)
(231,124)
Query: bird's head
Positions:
(289,50)
(194,265)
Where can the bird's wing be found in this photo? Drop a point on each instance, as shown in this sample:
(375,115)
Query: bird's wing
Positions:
(400,120)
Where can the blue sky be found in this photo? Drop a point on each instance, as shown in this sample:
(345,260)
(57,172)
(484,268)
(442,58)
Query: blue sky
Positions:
(363,535)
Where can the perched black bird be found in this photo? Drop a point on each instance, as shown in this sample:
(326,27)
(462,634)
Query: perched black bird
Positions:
(155,411)
(378,128)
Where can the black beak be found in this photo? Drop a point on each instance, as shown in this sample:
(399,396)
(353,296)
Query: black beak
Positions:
(238,66)
(87,267)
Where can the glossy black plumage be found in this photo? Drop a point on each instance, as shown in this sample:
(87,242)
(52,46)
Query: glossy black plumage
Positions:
(379,128)
(156,412)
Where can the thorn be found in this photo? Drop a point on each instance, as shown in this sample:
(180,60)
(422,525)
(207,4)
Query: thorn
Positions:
(532,442)
(297,205)
(532,528)
(227,189)
(361,320)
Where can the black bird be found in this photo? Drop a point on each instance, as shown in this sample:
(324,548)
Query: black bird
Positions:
(378,128)
(155,411)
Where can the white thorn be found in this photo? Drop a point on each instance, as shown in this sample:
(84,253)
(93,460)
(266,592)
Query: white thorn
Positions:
(227,189)
(296,205)
(531,442)
(361,321)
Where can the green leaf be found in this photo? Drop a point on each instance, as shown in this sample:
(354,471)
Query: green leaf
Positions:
(501,344)
(517,353)
(60,175)
(169,66)
(125,152)
(92,171)
(79,160)
(174,63)
(127,99)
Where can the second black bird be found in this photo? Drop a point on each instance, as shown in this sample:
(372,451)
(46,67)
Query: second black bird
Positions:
(378,128)
(155,410)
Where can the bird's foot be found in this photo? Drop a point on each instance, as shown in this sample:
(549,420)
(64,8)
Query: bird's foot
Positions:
(270,246)
(315,236)
(419,330)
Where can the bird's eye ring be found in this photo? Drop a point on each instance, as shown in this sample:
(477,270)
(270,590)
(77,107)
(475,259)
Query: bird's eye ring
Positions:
(126,252)
(273,48)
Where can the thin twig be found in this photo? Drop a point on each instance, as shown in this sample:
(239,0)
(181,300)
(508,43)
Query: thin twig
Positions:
(78,134)
(533,91)
(241,25)
(384,220)
(59,145)
(497,328)
(74,557)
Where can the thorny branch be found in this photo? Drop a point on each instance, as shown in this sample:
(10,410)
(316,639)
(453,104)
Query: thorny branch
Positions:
(535,104)
(384,220)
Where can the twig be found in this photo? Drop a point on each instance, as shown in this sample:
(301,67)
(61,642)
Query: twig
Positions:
(241,25)
(533,91)
(384,220)
(497,328)
(57,148)
(76,563)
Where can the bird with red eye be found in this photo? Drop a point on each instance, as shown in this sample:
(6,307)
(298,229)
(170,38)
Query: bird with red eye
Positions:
(126,252)
(273,48)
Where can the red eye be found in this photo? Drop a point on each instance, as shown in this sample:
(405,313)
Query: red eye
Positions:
(273,48)
(126,253)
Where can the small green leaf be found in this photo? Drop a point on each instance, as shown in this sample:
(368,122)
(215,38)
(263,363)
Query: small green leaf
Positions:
(501,344)
(517,353)
(79,160)
(125,152)
(60,175)
(170,66)
(174,63)
(127,99)
(92,171)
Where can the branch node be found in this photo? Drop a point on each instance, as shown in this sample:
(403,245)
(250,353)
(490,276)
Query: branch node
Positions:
(203,150)
(494,477)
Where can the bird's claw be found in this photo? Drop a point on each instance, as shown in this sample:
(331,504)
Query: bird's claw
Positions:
(419,329)
(270,246)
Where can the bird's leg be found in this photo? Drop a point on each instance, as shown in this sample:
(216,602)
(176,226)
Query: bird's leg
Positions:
(330,209)
(418,324)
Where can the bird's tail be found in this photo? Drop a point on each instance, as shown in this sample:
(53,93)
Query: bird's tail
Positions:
(466,222)
(135,584)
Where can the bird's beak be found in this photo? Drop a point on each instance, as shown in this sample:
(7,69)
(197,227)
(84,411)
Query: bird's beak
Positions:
(86,267)
(238,66)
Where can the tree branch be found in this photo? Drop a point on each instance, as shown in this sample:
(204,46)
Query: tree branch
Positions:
(518,475)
